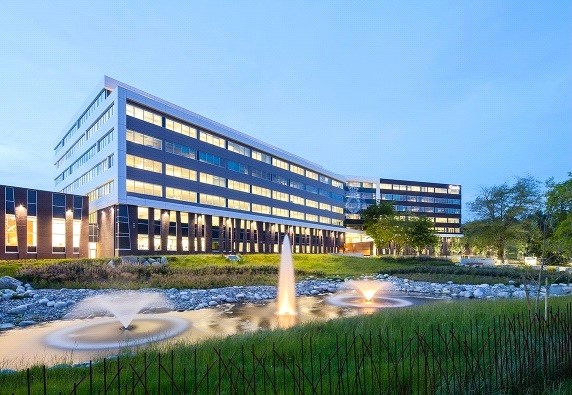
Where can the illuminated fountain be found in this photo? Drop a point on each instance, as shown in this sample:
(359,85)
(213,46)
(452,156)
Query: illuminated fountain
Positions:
(368,294)
(286,300)
(122,325)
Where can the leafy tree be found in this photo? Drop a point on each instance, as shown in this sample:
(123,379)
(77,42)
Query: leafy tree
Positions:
(559,210)
(376,211)
(383,231)
(502,214)
(420,233)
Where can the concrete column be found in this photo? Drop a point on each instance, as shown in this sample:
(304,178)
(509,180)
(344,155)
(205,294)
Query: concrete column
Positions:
(208,233)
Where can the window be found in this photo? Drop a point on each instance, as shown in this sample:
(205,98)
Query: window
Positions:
(239,149)
(76,236)
(238,205)
(337,222)
(311,217)
(311,188)
(143,228)
(256,190)
(143,139)
(211,179)
(179,149)
(324,206)
(311,174)
(58,236)
(144,163)
(212,139)
(280,163)
(261,157)
(325,220)
(280,212)
(181,128)
(180,172)
(280,196)
(32,203)
(311,203)
(144,115)
(440,190)
(236,166)
(297,169)
(326,180)
(99,123)
(354,184)
(296,199)
(105,140)
(385,186)
(261,209)
(180,194)
(337,210)
(279,179)
(123,240)
(210,158)
(32,233)
(11,236)
(261,174)
(144,188)
(297,184)
(297,215)
(101,191)
(213,200)
(98,100)
(238,186)
(337,184)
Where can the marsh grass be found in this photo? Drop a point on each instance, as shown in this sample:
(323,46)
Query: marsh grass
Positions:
(323,338)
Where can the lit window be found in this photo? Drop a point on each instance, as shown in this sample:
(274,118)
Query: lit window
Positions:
(180,172)
(143,139)
(11,235)
(261,209)
(239,186)
(311,217)
(280,212)
(212,200)
(256,190)
(32,233)
(180,194)
(324,206)
(144,163)
(58,235)
(296,199)
(144,188)
(280,163)
(238,205)
(296,169)
(212,139)
(212,180)
(311,174)
(280,196)
(181,128)
(143,242)
(239,149)
(144,115)
(76,235)
(297,215)
(262,157)
(311,203)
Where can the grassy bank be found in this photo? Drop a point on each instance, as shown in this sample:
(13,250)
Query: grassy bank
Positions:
(206,271)
(301,352)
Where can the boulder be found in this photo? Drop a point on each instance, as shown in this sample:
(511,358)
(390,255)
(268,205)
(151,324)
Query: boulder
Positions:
(7,282)
(18,309)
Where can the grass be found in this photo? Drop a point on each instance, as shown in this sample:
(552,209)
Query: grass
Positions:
(397,323)
(208,271)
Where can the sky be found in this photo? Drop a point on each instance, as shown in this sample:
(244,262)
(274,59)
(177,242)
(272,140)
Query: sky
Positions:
(470,93)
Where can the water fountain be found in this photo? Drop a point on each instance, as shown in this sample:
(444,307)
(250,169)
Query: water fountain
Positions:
(124,328)
(370,295)
(286,300)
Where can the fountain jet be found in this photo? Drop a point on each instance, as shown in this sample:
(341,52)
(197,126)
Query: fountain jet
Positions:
(122,305)
(286,282)
(368,288)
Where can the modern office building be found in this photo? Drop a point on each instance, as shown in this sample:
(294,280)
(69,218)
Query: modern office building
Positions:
(439,202)
(164,180)
(42,224)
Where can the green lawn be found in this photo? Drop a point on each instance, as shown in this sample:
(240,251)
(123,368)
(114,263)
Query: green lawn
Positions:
(204,271)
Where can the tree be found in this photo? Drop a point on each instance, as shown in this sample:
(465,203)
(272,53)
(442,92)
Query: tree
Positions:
(501,214)
(374,212)
(383,231)
(420,233)
(559,209)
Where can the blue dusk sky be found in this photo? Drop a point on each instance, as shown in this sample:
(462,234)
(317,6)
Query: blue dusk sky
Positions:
(471,93)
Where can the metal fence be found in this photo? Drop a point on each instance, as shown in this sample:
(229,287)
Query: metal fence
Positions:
(515,352)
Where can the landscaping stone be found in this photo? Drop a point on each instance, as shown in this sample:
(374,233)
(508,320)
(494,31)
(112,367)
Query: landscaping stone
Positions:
(7,282)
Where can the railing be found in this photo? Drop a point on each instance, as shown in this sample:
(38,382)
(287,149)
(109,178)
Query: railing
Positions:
(515,353)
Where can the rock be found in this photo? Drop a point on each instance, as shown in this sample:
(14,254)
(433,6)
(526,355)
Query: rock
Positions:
(503,294)
(26,323)
(240,296)
(557,290)
(213,303)
(7,282)
(201,306)
(314,292)
(51,303)
(449,282)
(479,294)
(20,289)
(19,309)
(4,327)
(7,296)
(163,260)
(43,301)
(111,263)
(60,304)
(519,294)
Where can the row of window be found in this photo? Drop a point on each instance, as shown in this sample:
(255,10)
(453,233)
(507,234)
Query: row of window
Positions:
(101,191)
(145,188)
(95,171)
(87,113)
(434,219)
(211,179)
(418,199)
(191,131)
(86,136)
(421,209)
(452,189)
(182,150)
(98,146)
